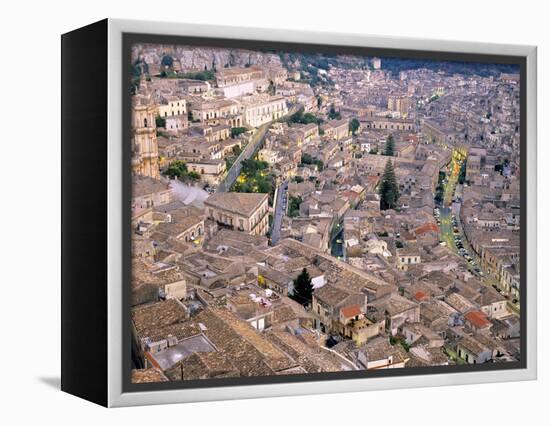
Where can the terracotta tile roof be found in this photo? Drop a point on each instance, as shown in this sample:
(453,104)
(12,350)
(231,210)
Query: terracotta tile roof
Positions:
(420,295)
(428,227)
(478,319)
(351,311)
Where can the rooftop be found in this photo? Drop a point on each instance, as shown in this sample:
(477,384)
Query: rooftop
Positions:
(187,347)
(478,319)
(157,315)
(471,344)
(145,185)
(351,311)
(244,204)
(148,375)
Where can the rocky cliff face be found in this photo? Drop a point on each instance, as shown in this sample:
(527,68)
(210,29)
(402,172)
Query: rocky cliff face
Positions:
(192,58)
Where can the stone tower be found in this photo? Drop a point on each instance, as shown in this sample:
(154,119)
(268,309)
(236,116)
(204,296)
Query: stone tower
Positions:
(145,158)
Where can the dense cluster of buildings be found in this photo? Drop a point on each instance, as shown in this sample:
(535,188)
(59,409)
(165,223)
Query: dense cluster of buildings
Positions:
(213,279)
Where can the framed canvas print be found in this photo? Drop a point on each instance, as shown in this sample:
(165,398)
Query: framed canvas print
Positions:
(251,213)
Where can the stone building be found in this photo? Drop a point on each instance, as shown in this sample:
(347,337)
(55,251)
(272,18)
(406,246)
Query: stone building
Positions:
(399,103)
(241,211)
(145,159)
(336,129)
(231,76)
(261,109)
(391,124)
(172,106)
(148,192)
(217,111)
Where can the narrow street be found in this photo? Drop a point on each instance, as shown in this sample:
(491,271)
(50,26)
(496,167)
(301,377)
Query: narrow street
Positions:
(337,244)
(452,234)
(279,208)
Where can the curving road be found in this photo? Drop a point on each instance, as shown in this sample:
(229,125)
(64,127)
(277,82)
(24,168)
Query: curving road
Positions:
(249,151)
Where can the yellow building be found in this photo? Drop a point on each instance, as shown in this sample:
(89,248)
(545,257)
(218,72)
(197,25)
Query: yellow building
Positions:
(173,106)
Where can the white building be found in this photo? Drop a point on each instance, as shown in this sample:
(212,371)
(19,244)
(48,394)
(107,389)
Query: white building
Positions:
(261,109)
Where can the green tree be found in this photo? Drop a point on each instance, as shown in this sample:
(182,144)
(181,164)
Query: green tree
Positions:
(160,121)
(236,150)
(263,185)
(390,146)
(319,101)
(307,159)
(333,114)
(307,118)
(251,167)
(388,189)
(303,288)
(354,125)
(206,75)
(294,206)
(194,176)
(271,89)
(462,173)
(176,169)
(167,61)
(236,131)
